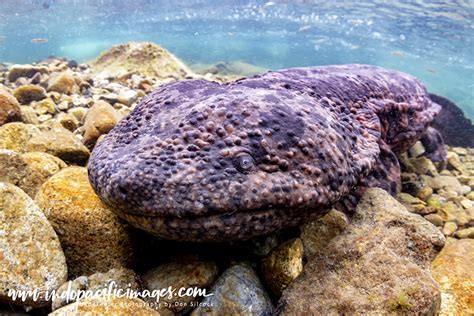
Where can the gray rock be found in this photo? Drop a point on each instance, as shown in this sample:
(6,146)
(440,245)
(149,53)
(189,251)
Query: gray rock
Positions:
(452,183)
(237,292)
(184,272)
(27,71)
(127,97)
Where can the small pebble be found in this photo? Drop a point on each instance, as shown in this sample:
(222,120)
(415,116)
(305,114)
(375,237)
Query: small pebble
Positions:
(449,228)
(465,233)
(435,219)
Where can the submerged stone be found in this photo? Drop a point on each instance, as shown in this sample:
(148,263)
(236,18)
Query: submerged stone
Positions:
(93,238)
(30,253)
(453,269)
(378,265)
(238,291)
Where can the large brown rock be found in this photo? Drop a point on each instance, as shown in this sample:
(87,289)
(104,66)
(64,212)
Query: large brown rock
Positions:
(10,110)
(146,59)
(39,168)
(378,265)
(61,143)
(31,258)
(92,236)
(28,171)
(15,136)
(100,119)
(63,82)
(30,92)
(453,269)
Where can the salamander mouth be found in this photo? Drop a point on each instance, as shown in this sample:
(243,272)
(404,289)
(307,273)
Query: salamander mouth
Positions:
(222,227)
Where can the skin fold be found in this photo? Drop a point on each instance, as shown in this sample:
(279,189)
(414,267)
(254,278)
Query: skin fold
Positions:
(203,161)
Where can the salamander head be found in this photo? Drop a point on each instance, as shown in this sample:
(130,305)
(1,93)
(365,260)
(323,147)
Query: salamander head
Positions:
(193,149)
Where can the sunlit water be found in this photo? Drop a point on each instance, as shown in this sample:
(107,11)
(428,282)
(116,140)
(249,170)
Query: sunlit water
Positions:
(433,40)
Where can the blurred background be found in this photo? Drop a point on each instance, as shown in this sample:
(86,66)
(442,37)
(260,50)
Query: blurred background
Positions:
(433,40)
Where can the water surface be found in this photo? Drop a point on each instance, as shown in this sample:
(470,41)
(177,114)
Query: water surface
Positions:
(433,40)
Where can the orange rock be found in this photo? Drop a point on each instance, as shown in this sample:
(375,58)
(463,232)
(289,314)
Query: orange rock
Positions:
(453,269)
(10,110)
(100,119)
(92,236)
(30,253)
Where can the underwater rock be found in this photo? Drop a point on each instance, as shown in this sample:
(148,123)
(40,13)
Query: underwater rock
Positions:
(145,58)
(119,278)
(183,272)
(39,168)
(127,97)
(379,265)
(455,163)
(449,228)
(68,121)
(101,305)
(28,171)
(61,143)
(451,183)
(283,265)
(457,130)
(93,238)
(99,120)
(79,113)
(46,106)
(28,93)
(263,245)
(317,234)
(453,269)
(465,233)
(27,71)
(203,161)
(228,71)
(63,82)
(10,110)
(13,168)
(413,204)
(238,291)
(15,136)
(31,255)
(29,115)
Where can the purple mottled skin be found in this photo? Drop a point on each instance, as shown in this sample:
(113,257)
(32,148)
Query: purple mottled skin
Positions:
(203,161)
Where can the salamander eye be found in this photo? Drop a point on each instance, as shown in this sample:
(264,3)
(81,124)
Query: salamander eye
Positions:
(244,162)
